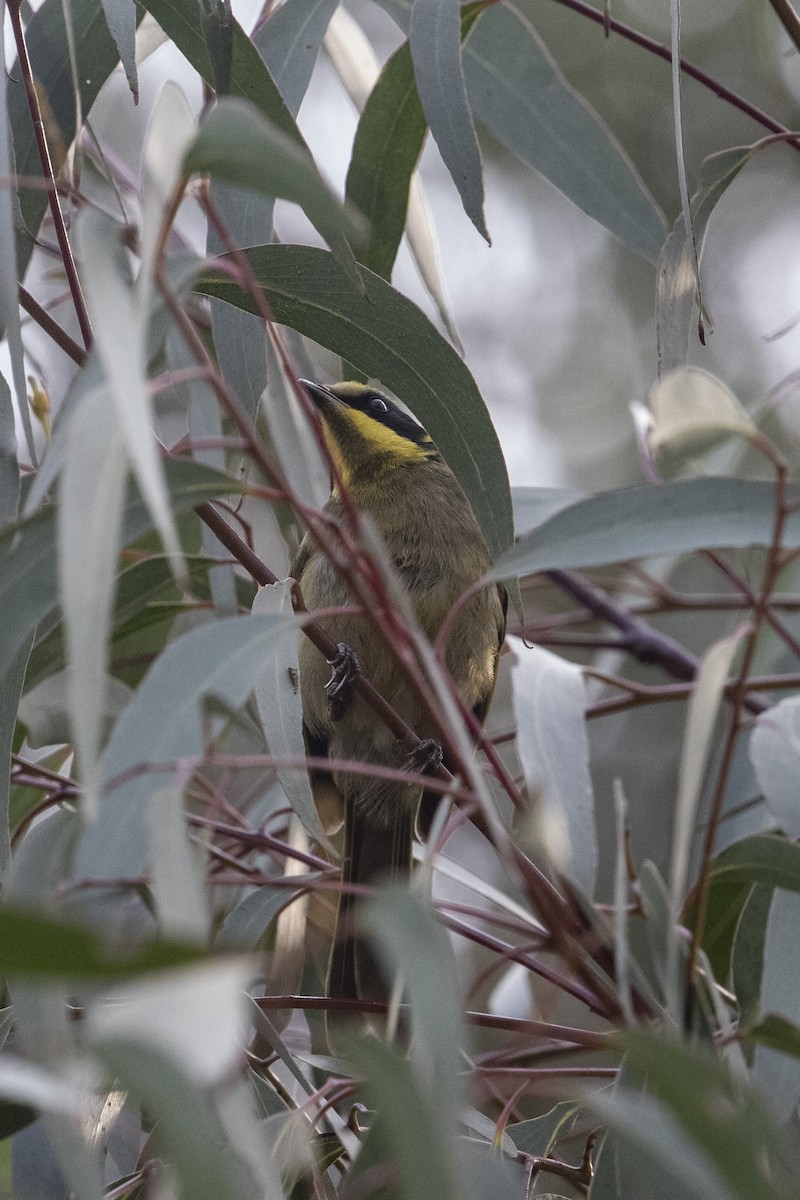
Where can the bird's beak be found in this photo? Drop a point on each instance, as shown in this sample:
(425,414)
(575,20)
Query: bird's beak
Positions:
(322,397)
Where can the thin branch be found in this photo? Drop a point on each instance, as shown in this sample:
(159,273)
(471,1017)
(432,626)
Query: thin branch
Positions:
(788,18)
(661,51)
(43,318)
(53,200)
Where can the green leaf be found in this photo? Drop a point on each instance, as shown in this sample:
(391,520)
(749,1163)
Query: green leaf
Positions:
(9,469)
(11,682)
(418,950)
(644,522)
(775,756)
(518,91)
(121,21)
(725,1121)
(237,144)
(28,550)
(410,1131)
(35,946)
(764,858)
(675,281)
(248,921)
(747,954)
(250,80)
(289,42)
(97,57)
(280,709)
(435,43)
(163,724)
(549,697)
(91,495)
(776,1032)
(119,327)
(386,336)
(386,149)
(539,1136)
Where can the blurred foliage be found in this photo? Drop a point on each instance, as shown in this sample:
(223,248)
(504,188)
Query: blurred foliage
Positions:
(600,976)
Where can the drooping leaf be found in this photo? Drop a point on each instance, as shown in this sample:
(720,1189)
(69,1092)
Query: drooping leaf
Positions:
(163,724)
(91,495)
(549,705)
(280,708)
(775,755)
(388,142)
(701,715)
(97,56)
(36,946)
(121,21)
(11,682)
(237,144)
(387,337)
(644,522)
(676,285)
(28,554)
(435,42)
(289,42)
(120,332)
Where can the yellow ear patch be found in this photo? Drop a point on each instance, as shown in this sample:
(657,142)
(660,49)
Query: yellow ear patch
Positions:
(377,436)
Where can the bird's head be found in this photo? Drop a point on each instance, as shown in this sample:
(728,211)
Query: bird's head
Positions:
(367,433)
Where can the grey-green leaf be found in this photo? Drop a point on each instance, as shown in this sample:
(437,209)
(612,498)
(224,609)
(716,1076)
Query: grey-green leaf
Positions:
(28,584)
(642,522)
(435,41)
(239,145)
(163,723)
(518,91)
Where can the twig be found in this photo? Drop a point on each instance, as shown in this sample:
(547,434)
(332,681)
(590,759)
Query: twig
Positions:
(53,200)
(661,51)
(788,18)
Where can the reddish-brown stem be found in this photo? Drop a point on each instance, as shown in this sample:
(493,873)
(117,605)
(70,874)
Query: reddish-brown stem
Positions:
(661,51)
(773,567)
(788,18)
(53,199)
(51,327)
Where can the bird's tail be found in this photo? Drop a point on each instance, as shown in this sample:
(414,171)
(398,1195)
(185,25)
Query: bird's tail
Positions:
(373,851)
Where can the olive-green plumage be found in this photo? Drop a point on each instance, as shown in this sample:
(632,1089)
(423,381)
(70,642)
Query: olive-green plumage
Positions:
(393,473)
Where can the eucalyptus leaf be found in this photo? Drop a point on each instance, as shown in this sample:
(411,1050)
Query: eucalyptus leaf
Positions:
(239,145)
(120,333)
(280,708)
(517,90)
(9,470)
(418,949)
(722,1120)
(97,56)
(121,21)
(289,42)
(676,285)
(10,689)
(775,755)
(435,42)
(549,705)
(384,335)
(645,522)
(41,947)
(163,724)
(28,550)
(91,496)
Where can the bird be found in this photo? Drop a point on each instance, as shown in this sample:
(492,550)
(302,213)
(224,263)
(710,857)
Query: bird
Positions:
(393,474)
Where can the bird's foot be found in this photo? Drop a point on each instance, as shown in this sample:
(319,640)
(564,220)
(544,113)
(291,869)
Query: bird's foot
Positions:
(426,758)
(345,667)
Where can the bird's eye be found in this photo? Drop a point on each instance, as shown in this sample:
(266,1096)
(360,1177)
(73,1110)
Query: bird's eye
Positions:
(377,405)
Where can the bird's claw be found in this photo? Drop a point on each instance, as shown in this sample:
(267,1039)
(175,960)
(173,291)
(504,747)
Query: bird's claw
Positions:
(345,667)
(426,758)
